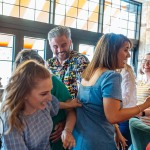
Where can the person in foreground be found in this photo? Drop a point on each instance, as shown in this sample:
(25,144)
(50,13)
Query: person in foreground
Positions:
(65,119)
(140,125)
(100,95)
(27,107)
(128,87)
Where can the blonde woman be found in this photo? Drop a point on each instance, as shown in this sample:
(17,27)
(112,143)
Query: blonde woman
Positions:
(140,128)
(128,86)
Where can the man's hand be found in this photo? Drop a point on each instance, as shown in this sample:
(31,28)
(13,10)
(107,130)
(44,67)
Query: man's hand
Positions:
(56,135)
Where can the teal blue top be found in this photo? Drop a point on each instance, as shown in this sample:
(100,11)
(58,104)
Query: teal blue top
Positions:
(92,130)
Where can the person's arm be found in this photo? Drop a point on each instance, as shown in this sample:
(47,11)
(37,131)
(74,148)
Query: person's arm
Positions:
(13,140)
(67,137)
(61,92)
(114,113)
(120,140)
(111,93)
(70,104)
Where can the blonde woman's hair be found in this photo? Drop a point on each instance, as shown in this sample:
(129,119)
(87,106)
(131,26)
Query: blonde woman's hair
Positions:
(106,52)
(129,69)
(23,80)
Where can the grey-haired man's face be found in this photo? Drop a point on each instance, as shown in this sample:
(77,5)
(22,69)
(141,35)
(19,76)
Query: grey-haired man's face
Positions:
(60,47)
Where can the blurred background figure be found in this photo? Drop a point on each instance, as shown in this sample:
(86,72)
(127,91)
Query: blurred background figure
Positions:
(140,127)
(128,86)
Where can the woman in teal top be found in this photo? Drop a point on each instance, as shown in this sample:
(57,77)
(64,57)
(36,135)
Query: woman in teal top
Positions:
(61,92)
(100,95)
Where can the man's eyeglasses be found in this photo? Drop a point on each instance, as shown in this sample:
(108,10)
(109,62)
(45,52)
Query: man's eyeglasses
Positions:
(144,61)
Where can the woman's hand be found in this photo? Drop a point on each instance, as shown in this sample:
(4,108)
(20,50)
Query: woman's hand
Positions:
(67,139)
(120,140)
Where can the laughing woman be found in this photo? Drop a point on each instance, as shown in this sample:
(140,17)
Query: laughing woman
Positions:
(100,95)
(27,107)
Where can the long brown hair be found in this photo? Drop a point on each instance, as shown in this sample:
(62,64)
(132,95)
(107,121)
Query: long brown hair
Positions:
(106,52)
(23,80)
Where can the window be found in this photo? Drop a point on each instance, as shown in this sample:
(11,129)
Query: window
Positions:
(87,50)
(80,14)
(6,56)
(36,44)
(122,16)
(37,10)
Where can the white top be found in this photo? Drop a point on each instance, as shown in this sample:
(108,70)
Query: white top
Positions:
(128,87)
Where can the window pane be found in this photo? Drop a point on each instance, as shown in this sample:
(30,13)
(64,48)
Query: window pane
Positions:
(81,24)
(71,11)
(43,5)
(5,53)
(93,16)
(131,25)
(119,16)
(0,8)
(131,34)
(83,11)
(132,17)
(61,1)
(83,4)
(71,22)
(87,50)
(5,73)
(73,3)
(26,13)
(6,40)
(82,14)
(123,24)
(35,43)
(41,16)
(59,20)
(92,26)
(28,3)
(124,15)
(10,10)
(93,7)
(60,9)
(15,2)
(107,20)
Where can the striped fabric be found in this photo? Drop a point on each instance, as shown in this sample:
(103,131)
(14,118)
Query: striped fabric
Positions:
(143,91)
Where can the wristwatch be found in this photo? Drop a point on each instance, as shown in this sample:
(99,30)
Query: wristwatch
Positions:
(143,113)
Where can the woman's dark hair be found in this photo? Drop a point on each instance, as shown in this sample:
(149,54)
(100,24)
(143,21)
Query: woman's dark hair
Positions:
(106,52)
(26,54)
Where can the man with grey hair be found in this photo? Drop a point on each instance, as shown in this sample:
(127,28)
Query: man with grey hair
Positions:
(66,64)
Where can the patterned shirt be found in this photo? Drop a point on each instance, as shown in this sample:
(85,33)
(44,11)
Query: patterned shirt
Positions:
(70,72)
(36,133)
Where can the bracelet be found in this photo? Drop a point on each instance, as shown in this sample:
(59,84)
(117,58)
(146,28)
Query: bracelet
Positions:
(139,108)
(68,130)
(116,125)
(143,113)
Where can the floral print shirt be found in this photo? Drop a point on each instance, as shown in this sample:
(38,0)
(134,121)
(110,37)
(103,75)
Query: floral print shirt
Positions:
(70,72)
